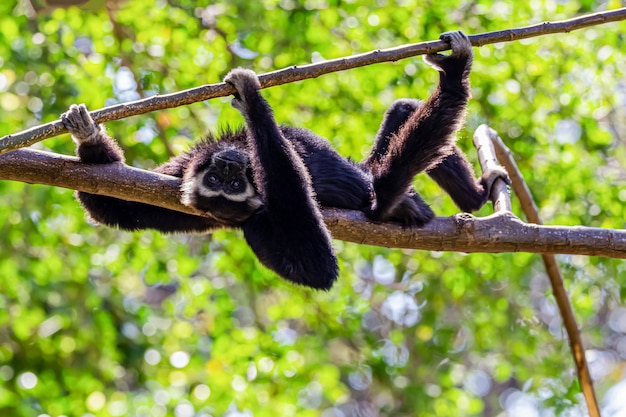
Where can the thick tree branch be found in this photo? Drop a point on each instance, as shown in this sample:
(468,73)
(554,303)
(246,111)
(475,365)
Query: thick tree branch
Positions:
(502,232)
(552,269)
(297,73)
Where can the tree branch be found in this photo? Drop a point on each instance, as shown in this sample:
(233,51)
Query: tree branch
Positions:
(297,73)
(502,232)
(552,269)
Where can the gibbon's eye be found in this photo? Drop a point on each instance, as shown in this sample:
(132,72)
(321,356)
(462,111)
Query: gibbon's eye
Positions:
(236,185)
(212,179)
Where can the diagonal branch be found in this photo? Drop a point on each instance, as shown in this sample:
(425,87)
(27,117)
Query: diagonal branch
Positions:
(554,274)
(501,232)
(297,73)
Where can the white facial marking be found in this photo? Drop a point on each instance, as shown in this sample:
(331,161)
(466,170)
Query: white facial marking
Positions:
(191,188)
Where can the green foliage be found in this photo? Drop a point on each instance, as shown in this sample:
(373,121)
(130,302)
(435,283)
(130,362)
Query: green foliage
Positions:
(85,329)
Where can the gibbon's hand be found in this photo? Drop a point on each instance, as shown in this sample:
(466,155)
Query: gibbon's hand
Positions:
(461,49)
(246,83)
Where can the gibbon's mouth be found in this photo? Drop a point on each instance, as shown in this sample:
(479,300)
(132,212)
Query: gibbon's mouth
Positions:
(225,209)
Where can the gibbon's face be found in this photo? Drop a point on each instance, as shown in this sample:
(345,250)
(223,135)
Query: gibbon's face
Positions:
(223,189)
(226,176)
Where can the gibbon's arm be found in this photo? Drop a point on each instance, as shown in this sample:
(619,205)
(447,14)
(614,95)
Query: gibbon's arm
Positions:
(287,233)
(94,146)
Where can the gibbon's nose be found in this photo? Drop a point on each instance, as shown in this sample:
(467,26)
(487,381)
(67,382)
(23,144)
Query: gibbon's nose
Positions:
(227,166)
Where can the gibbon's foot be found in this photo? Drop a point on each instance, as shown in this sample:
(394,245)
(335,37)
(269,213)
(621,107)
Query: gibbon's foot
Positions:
(491,175)
(80,124)
(461,48)
(245,82)
(412,211)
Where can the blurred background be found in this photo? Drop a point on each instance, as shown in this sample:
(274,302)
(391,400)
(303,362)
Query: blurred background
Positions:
(97,322)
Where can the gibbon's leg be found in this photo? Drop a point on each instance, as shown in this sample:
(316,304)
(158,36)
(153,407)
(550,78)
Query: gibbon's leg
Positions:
(427,136)
(454,173)
(409,209)
(395,116)
(287,234)
(94,146)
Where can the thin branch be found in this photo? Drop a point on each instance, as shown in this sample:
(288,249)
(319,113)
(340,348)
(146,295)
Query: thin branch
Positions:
(297,73)
(556,279)
(502,232)
(487,157)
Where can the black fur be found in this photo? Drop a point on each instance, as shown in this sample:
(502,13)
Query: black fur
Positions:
(269,180)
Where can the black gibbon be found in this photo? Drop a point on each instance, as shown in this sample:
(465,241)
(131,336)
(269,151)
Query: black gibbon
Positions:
(270,180)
